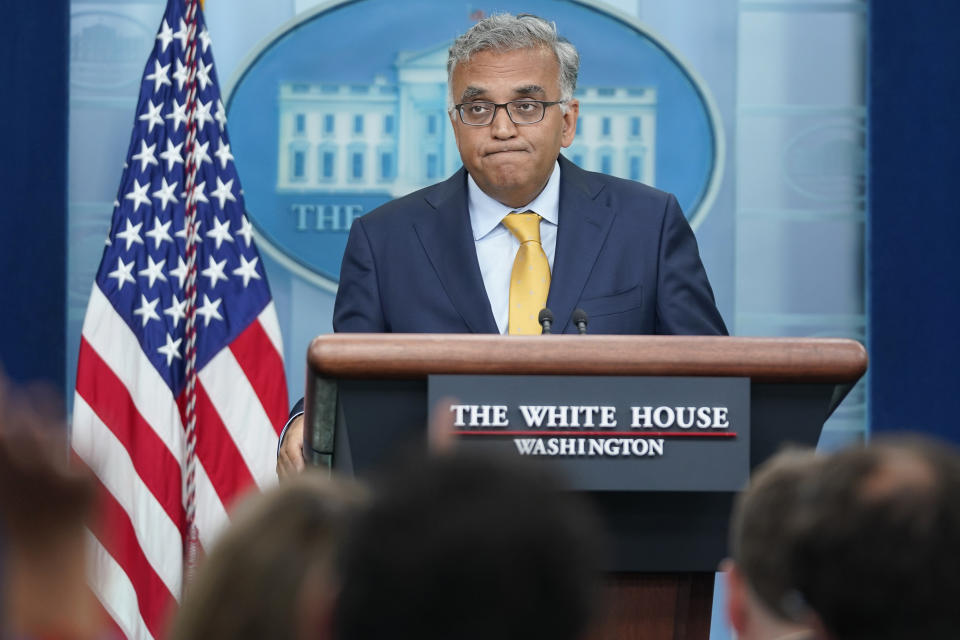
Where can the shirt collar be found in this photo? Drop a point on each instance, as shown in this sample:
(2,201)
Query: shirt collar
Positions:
(486,213)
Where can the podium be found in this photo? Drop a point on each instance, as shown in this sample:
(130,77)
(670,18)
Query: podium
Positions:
(366,401)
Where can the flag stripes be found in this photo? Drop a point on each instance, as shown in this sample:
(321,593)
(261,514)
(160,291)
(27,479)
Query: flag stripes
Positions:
(154,532)
(139,476)
(218,453)
(115,591)
(264,369)
(116,533)
(100,391)
(235,401)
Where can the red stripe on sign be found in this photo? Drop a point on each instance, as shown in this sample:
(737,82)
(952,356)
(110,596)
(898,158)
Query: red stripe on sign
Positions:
(597,434)
(263,367)
(113,528)
(109,398)
(217,451)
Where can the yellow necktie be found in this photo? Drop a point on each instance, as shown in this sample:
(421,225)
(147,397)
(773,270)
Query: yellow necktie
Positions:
(530,280)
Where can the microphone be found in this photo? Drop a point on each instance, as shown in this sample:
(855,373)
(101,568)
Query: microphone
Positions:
(579,318)
(546,320)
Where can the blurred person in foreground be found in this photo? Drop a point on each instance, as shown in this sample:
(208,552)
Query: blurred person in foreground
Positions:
(461,547)
(876,552)
(44,504)
(272,573)
(759,571)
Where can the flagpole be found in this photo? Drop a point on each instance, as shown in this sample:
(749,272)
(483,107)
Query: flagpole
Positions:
(192,168)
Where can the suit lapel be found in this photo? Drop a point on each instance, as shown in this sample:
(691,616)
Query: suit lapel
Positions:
(583,226)
(448,241)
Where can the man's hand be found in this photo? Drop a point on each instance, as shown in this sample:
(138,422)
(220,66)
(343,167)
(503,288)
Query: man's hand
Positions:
(290,460)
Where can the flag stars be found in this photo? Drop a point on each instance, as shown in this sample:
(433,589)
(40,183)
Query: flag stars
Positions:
(221,115)
(150,275)
(139,196)
(180,273)
(214,271)
(204,38)
(223,153)
(147,310)
(172,155)
(246,230)
(180,75)
(171,349)
(203,111)
(197,193)
(131,234)
(122,273)
(152,115)
(209,310)
(160,75)
(221,230)
(165,195)
(160,232)
(165,36)
(181,34)
(146,155)
(159,290)
(200,153)
(222,193)
(247,270)
(153,272)
(203,75)
(177,310)
(178,114)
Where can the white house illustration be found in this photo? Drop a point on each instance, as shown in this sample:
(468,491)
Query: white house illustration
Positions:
(393,139)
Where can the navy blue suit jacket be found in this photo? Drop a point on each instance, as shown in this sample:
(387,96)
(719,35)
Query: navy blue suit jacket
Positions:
(625,254)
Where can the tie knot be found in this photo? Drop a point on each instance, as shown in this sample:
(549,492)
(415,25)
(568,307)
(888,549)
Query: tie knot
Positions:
(524,226)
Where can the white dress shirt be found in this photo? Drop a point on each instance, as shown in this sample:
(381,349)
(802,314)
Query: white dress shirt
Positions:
(497,247)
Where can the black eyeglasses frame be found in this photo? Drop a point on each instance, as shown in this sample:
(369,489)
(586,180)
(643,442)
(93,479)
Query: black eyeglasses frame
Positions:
(503,105)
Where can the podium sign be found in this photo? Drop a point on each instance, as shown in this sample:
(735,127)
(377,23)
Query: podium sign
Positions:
(608,433)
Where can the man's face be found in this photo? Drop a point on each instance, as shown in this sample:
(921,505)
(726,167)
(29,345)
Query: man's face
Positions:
(510,162)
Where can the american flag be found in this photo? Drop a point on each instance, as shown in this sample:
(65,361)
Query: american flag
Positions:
(180,341)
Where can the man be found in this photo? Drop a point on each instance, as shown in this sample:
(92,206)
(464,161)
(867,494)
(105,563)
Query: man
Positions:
(462,547)
(519,227)
(875,553)
(759,571)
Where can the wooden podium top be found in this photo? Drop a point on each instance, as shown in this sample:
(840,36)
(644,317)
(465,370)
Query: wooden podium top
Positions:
(411,356)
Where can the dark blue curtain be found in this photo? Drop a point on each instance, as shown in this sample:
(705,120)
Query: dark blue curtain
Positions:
(914,217)
(34,46)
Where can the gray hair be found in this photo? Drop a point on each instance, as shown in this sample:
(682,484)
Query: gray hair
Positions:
(507,32)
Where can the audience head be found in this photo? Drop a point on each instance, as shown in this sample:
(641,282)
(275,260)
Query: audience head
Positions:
(460,547)
(759,571)
(876,552)
(44,504)
(272,573)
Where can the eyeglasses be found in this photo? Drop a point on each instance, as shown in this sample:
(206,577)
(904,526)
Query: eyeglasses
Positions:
(480,114)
